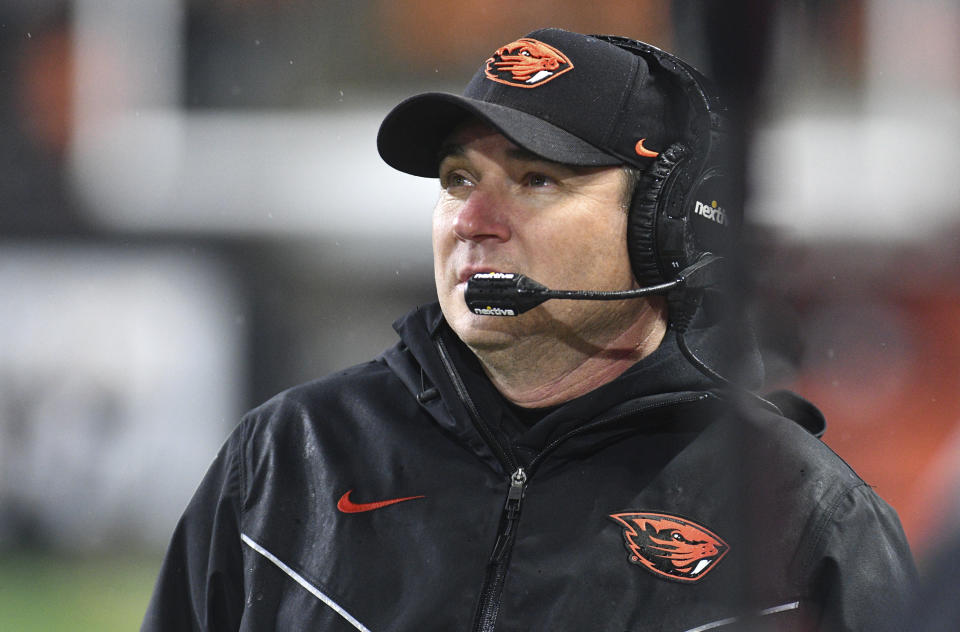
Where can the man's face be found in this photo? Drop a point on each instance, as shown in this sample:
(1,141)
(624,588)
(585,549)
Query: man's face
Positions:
(502,209)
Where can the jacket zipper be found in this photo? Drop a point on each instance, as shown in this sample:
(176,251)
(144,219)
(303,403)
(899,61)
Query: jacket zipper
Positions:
(503,453)
(485,619)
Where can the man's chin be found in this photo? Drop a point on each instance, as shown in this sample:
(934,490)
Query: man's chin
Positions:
(485,332)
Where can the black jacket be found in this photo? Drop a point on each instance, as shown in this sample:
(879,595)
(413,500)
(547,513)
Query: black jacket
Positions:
(651,503)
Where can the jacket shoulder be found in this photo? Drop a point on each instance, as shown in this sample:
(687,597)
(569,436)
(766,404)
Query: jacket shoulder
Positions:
(362,384)
(326,417)
(841,526)
(794,443)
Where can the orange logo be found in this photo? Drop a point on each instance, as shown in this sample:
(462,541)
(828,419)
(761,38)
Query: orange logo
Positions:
(345,505)
(670,547)
(643,151)
(527,63)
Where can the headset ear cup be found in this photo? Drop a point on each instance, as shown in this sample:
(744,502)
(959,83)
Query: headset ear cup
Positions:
(645,207)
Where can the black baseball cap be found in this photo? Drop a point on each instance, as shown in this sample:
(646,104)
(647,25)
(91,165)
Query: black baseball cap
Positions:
(568,97)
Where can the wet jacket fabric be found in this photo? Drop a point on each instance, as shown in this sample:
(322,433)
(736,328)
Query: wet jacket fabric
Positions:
(405,494)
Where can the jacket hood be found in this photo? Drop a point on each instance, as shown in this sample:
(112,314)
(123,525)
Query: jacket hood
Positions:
(663,375)
(731,351)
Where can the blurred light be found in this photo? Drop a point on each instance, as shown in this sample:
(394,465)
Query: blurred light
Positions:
(120,377)
(881,176)
(268,173)
(141,163)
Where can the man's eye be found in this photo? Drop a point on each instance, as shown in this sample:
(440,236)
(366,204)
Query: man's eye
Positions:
(454,179)
(539,180)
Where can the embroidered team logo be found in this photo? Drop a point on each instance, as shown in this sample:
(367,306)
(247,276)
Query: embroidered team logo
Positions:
(527,63)
(670,547)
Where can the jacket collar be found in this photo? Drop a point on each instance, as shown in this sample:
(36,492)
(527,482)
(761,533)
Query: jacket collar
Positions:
(663,375)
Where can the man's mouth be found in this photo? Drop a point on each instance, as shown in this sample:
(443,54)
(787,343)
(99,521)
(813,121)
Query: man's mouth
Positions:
(469,271)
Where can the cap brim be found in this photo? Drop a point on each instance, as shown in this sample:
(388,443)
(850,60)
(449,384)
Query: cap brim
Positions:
(411,135)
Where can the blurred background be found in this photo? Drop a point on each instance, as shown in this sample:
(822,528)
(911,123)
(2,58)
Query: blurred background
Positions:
(193,216)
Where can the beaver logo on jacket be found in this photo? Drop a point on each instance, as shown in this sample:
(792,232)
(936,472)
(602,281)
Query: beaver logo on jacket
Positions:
(670,547)
(527,63)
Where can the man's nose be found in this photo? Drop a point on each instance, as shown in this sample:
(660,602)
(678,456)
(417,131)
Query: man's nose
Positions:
(483,216)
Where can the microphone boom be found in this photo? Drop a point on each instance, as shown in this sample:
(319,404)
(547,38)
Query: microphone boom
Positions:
(511,294)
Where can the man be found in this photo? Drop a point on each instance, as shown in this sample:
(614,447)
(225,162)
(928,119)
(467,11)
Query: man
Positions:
(574,467)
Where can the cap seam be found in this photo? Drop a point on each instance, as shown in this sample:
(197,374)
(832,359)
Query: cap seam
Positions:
(617,122)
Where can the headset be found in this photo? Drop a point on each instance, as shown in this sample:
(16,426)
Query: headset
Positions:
(682,207)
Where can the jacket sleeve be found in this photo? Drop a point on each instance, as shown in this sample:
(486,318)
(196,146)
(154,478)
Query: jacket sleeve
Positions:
(862,574)
(200,586)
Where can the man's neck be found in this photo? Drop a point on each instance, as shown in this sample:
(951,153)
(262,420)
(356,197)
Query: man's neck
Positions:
(538,372)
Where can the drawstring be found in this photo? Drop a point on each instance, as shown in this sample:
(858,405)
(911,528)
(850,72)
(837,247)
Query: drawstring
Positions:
(426,394)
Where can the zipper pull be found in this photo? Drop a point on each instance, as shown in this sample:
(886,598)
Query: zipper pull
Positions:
(518,480)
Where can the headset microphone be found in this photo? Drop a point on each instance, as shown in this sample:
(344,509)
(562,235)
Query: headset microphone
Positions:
(511,294)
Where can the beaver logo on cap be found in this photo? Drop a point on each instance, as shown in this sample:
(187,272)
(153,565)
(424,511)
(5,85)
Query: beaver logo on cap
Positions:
(527,63)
